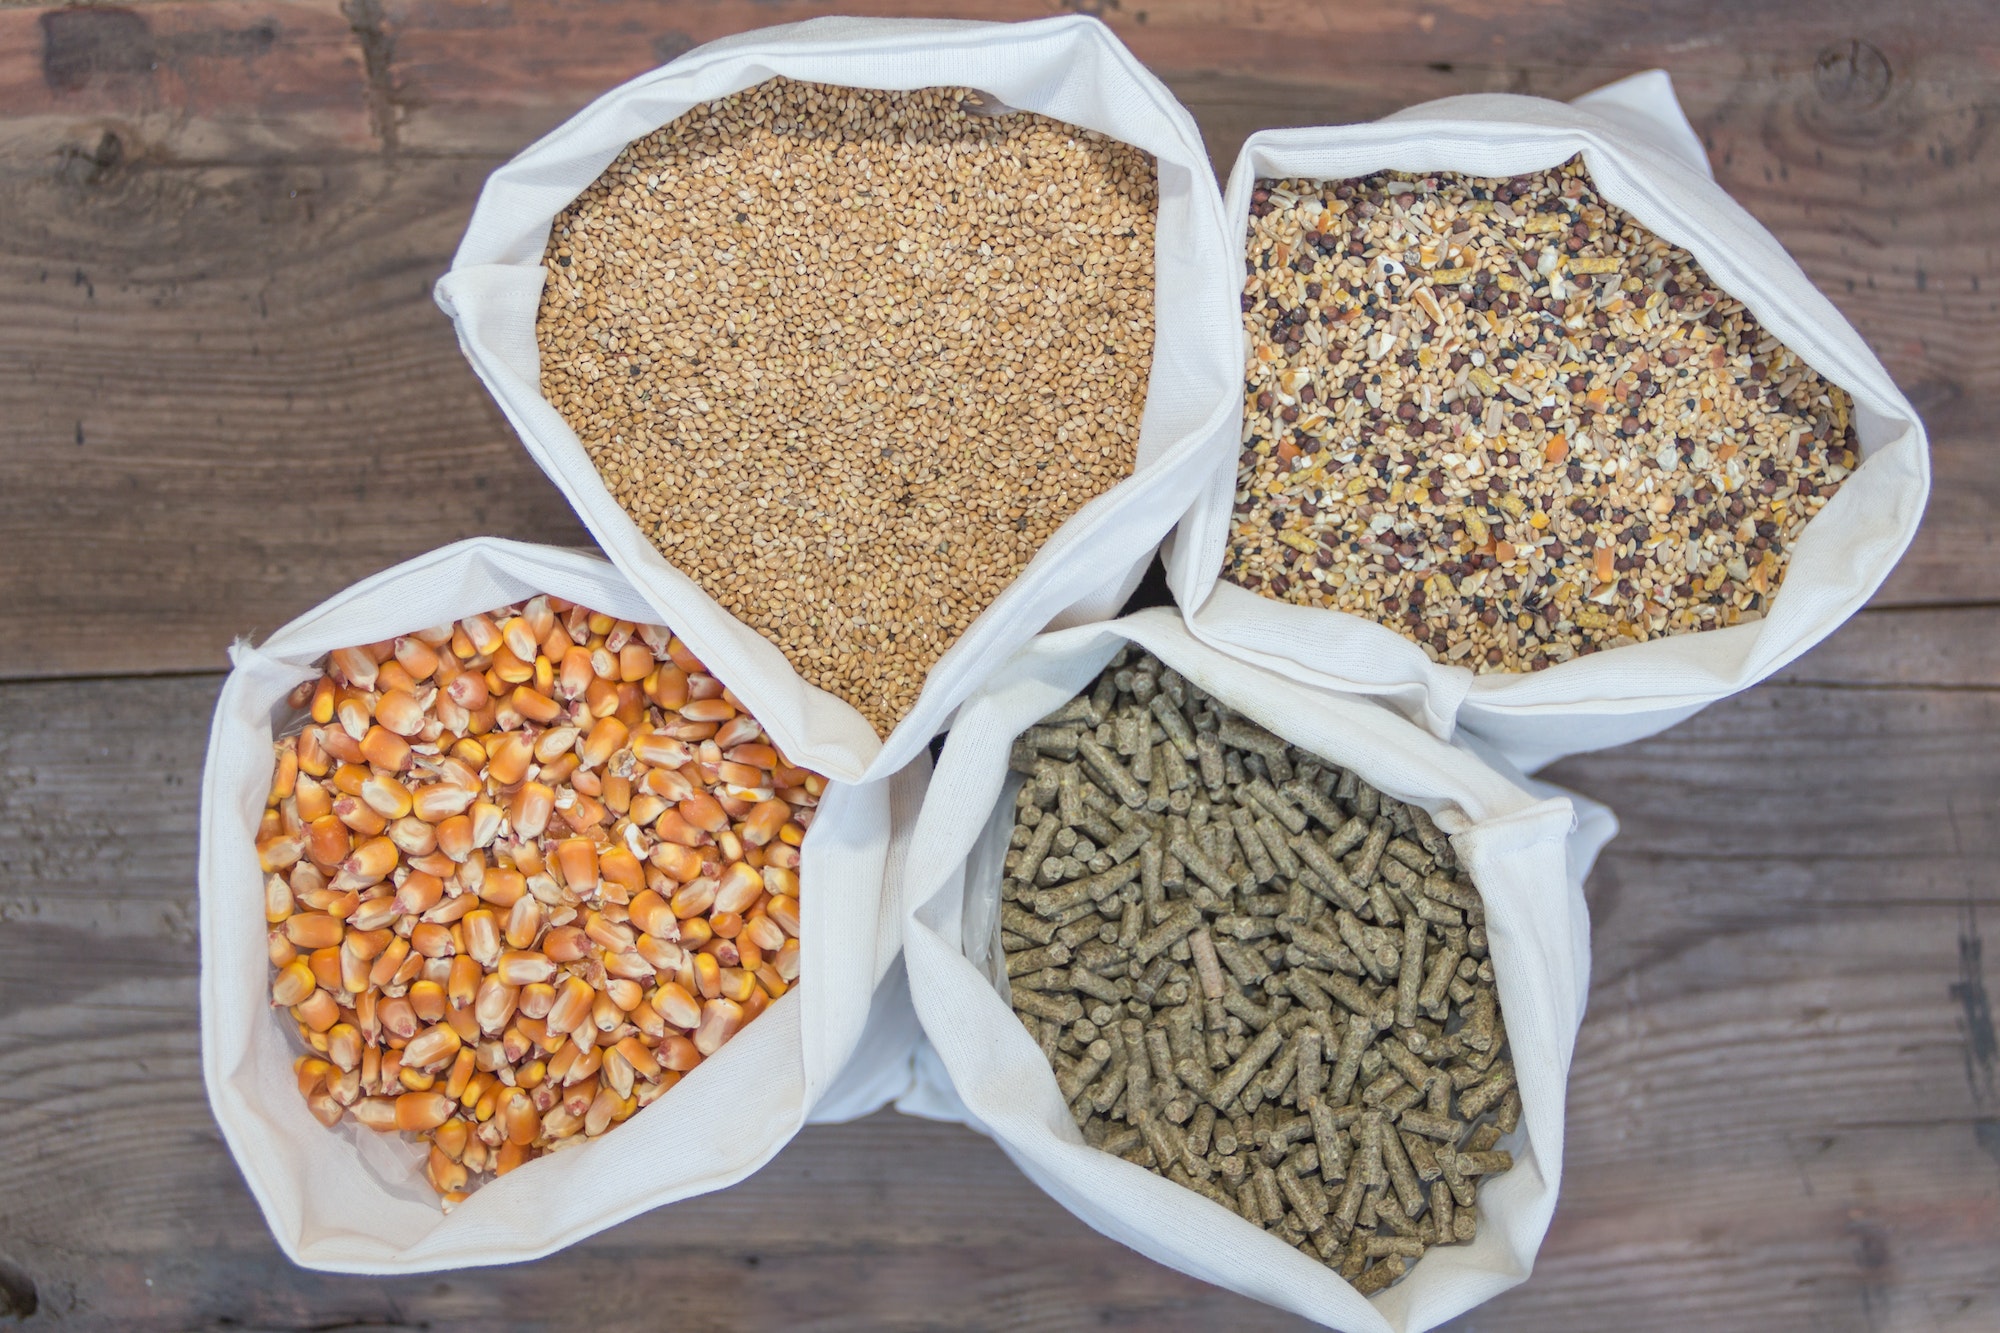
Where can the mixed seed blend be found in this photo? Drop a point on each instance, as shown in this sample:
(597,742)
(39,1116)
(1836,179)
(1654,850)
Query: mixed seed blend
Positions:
(850,357)
(1255,974)
(1502,418)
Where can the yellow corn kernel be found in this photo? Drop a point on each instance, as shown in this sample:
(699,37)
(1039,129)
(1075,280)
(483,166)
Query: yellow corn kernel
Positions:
(293,984)
(359,816)
(314,930)
(343,1046)
(576,858)
(385,796)
(279,852)
(740,887)
(721,1019)
(708,976)
(537,998)
(389,961)
(534,705)
(462,986)
(464,1023)
(385,749)
(313,799)
(427,998)
(463,1067)
(737,984)
(401,711)
(530,808)
(372,860)
(278,901)
(572,1006)
(314,761)
(626,993)
(450,1138)
(432,1047)
(433,940)
(454,837)
(353,968)
(325,965)
(574,675)
(518,1113)
(494,1004)
(284,777)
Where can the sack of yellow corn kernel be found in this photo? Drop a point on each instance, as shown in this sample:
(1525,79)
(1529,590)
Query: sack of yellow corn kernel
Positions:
(1338,997)
(402,847)
(873,459)
(1497,427)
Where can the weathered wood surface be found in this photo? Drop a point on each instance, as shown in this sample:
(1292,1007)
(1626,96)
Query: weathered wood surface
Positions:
(222,219)
(224,394)
(1782,1112)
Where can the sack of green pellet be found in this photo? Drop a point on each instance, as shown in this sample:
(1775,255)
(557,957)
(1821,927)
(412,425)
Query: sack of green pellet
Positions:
(1327,1026)
(1496,428)
(848,607)
(339,1195)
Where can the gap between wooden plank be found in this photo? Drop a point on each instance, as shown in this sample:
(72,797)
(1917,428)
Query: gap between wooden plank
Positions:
(1766,1081)
(217,277)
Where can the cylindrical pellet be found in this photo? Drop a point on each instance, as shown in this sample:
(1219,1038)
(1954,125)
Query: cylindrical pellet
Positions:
(1253,871)
(1347,1064)
(1256,1055)
(1178,924)
(1410,979)
(1329,880)
(1115,776)
(1079,1076)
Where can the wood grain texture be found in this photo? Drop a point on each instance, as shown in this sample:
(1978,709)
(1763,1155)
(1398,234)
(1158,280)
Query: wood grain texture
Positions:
(224,217)
(225,394)
(1782,1109)
(1925,646)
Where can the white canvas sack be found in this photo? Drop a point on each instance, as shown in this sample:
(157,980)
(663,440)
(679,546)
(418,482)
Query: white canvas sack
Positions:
(1527,854)
(1070,68)
(1643,157)
(352,1200)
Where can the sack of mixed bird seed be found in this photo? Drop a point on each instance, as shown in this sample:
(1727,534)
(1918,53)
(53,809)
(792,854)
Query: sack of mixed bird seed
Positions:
(1525,386)
(1261,980)
(879,344)
(320,967)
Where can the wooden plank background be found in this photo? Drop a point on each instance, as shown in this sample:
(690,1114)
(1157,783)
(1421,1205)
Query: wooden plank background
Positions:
(224,394)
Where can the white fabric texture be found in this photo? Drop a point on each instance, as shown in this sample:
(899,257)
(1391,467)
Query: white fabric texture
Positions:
(1527,851)
(1644,158)
(349,1200)
(1070,68)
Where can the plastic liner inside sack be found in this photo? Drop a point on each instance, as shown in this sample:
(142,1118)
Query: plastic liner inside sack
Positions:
(1642,156)
(1527,846)
(1069,68)
(835,1047)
